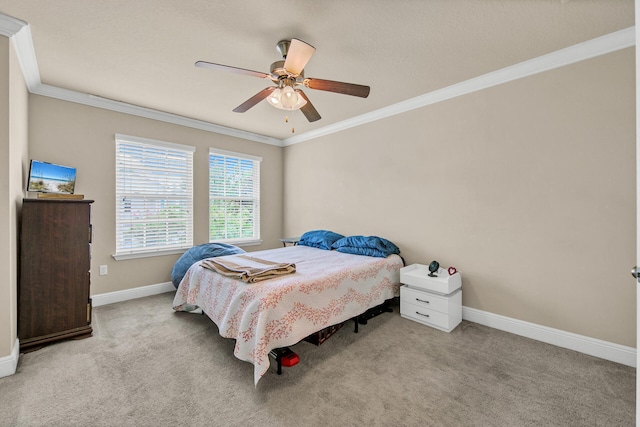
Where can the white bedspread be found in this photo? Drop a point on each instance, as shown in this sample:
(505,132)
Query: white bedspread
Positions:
(328,287)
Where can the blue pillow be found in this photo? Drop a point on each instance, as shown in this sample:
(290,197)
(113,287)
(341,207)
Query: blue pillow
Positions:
(366,245)
(321,239)
(198,253)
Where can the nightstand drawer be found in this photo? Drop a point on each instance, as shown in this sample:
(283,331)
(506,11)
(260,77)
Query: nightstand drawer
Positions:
(442,312)
(424,315)
(424,299)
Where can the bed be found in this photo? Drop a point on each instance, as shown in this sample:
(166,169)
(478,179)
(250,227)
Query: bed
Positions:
(327,288)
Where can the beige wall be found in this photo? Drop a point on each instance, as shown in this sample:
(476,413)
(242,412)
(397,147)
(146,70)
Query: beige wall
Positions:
(18,169)
(81,136)
(528,188)
(13,154)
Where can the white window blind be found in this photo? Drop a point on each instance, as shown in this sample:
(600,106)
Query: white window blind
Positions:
(234,197)
(154,195)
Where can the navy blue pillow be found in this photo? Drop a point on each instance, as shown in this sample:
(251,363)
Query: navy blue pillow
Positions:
(366,245)
(321,239)
(198,253)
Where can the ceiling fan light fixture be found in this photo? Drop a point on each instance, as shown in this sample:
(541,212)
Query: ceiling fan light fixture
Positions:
(274,98)
(287,74)
(286,99)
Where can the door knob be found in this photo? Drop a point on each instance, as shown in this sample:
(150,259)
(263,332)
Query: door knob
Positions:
(634,272)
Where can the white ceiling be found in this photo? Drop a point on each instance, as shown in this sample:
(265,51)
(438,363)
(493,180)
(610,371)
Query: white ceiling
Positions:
(142,52)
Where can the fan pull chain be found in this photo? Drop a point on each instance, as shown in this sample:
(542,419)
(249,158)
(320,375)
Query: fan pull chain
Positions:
(286,120)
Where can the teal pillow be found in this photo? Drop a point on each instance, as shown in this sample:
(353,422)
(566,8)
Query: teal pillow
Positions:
(197,253)
(366,245)
(321,239)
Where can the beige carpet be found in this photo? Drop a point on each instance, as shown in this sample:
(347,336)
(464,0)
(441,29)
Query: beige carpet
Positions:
(148,366)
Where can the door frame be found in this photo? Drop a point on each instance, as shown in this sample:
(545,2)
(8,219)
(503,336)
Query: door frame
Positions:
(637,19)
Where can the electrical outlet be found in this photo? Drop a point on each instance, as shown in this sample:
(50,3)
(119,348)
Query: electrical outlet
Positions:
(103,270)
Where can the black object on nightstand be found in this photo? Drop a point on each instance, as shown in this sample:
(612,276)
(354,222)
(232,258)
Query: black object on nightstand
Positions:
(293,241)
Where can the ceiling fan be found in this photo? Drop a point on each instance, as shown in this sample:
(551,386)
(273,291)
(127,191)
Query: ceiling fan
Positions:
(287,74)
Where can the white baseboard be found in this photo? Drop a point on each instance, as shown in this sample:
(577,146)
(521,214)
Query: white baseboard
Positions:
(591,346)
(127,294)
(9,364)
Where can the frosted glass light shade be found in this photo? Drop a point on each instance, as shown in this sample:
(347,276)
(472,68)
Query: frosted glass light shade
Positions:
(286,99)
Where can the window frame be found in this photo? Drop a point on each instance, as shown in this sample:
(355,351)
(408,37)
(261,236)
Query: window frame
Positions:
(255,239)
(184,197)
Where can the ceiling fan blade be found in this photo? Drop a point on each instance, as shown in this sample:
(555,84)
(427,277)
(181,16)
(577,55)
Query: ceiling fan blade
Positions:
(338,87)
(203,64)
(254,100)
(308,109)
(297,57)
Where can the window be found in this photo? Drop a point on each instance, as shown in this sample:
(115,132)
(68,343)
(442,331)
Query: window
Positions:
(234,197)
(154,197)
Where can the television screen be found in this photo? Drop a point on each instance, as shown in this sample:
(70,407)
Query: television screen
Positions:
(49,178)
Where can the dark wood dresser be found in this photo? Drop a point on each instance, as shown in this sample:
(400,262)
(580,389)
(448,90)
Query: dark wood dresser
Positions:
(55,259)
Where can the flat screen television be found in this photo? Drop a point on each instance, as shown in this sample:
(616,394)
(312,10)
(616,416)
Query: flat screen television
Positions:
(51,178)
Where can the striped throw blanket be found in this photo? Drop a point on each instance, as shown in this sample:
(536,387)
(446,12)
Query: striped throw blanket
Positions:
(247,268)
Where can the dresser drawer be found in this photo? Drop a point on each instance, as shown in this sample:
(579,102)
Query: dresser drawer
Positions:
(424,299)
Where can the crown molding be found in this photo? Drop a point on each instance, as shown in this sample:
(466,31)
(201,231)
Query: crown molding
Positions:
(135,110)
(21,35)
(149,113)
(590,49)
(10,25)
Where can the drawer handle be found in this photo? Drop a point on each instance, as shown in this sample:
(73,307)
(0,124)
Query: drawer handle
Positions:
(425,315)
(421,300)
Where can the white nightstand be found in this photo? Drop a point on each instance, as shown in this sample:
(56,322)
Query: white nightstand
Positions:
(432,301)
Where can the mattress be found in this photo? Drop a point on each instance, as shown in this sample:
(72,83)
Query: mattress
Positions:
(327,288)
